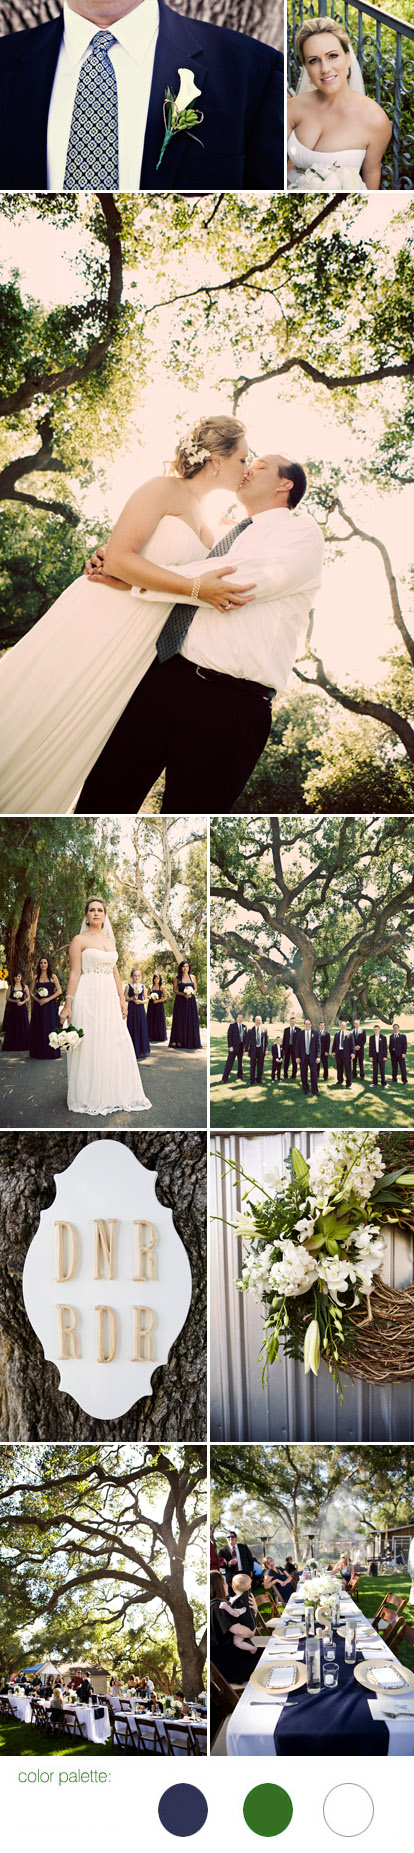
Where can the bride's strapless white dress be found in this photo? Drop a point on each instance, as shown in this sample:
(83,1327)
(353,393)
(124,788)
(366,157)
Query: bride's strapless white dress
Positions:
(103,1072)
(64,686)
(315,169)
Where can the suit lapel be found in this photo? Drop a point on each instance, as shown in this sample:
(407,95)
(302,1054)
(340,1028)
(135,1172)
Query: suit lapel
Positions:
(178,46)
(35,67)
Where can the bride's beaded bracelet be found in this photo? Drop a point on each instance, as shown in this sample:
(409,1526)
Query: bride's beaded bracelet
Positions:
(195,588)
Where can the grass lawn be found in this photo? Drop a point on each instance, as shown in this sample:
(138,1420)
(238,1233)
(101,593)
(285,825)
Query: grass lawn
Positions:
(23,1740)
(284,1105)
(372,1590)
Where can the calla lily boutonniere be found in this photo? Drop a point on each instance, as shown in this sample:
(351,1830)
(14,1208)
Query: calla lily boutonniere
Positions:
(179,112)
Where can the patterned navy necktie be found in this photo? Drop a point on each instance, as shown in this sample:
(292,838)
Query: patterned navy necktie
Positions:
(92,157)
(175,629)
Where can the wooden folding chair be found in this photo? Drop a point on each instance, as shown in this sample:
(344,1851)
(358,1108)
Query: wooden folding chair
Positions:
(124,1739)
(179,1740)
(200,1739)
(150,1742)
(391,1615)
(124,1704)
(380,1611)
(406,1634)
(6,1709)
(72,1726)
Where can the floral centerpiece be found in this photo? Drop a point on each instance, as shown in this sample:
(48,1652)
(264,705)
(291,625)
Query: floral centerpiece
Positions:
(314,1244)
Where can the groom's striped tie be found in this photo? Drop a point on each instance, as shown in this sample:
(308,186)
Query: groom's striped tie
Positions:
(92,157)
(176,626)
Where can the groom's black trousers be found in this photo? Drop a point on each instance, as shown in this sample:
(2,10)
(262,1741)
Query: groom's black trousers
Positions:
(207,730)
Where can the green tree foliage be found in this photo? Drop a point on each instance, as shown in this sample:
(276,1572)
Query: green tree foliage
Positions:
(325,907)
(95,1536)
(48,868)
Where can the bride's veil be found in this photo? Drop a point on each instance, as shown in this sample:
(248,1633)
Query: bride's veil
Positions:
(356,81)
(107,929)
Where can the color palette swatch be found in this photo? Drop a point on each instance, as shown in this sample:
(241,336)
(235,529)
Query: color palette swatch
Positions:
(182,1809)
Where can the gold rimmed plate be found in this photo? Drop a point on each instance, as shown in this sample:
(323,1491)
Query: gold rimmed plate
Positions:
(261,1673)
(366,1676)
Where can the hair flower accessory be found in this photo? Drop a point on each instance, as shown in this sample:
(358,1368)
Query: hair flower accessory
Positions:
(179,113)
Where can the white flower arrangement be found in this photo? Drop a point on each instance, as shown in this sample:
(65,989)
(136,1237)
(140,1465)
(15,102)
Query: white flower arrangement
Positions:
(314,1246)
(188,990)
(42,990)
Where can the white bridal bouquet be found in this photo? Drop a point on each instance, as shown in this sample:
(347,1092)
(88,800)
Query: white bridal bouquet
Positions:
(314,1243)
(65,1038)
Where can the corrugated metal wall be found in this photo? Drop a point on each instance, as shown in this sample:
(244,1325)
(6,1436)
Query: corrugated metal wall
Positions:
(291,1407)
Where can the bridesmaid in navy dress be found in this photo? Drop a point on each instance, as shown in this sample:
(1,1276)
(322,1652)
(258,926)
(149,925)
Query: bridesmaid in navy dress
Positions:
(136,1020)
(16,1036)
(185,1028)
(45,1016)
(157,1028)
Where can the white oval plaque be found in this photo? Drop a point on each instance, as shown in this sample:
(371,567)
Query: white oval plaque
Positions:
(106,1281)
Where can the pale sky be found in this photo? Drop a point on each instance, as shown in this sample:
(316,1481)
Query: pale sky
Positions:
(352,630)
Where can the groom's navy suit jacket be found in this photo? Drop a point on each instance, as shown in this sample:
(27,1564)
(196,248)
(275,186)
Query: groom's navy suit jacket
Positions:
(241,84)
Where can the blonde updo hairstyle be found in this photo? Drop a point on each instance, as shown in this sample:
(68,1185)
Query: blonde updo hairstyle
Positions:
(210,437)
(311,27)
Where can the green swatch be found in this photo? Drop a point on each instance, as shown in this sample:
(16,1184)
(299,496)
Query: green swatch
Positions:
(267,1809)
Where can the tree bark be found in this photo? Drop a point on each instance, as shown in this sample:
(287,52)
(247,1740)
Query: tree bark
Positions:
(192,1655)
(31,1406)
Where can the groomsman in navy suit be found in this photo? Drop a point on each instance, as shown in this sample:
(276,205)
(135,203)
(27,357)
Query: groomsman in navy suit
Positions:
(309,1049)
(236,1038)
(398,1050)
(378,1055)
(290,1049)
(257,1047)
(359,1046)
(343,1049)
(277,1059)
(85,103)
(324,1047)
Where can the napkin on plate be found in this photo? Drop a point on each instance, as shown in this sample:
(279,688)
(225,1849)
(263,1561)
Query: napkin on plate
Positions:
(280,1678)
(388,1678)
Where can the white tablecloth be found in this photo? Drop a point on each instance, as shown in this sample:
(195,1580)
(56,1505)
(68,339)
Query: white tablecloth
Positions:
(147,1717)
(97,1729)
(21,1707)
(250,1730)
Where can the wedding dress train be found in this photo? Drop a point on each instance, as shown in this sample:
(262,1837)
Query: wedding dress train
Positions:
(65,685)
(103,1072)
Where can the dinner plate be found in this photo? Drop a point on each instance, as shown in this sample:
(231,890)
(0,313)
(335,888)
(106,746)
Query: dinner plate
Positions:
(261,1673)
(364,1637)
(365,1675)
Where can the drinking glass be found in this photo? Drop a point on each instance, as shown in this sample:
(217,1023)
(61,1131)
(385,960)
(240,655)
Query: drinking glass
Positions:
(328,1649)
(350,1645)
(313,1664)
(330,1673)
(309,1619)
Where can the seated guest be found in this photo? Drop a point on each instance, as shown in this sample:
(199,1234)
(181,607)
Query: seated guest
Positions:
(378,1055)
(237,1558)
(324,1047)
(289,1042)
(277,1059)
(398,1049)
(308,1049)
(343,1049)
(358,1055)
(236,1043)
(257,1044)
(277,1579)
(57,1698)
(343,1569)
(232,1625)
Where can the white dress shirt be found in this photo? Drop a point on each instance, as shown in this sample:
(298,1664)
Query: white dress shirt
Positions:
(281,552)
(132,58)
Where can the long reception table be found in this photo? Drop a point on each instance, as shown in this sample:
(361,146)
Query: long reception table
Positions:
(315,1724)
